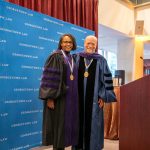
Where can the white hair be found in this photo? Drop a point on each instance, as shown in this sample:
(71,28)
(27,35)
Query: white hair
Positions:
(91,36)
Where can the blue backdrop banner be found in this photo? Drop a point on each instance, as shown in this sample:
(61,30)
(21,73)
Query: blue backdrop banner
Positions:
(26,40)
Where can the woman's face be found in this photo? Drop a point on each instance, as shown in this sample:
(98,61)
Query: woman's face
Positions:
(67,44)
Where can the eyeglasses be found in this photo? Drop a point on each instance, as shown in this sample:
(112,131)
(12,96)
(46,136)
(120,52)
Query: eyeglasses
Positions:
(67,42)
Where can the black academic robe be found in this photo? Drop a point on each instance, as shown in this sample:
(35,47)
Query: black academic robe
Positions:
(97,85)
(60,126)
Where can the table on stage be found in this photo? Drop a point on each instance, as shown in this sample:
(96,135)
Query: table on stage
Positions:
(111,117)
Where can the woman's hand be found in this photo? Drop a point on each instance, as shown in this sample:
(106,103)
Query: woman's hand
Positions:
(50,103)
(101,103)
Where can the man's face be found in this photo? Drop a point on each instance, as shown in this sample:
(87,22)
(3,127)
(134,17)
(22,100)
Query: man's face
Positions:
(67,43)
(90,45)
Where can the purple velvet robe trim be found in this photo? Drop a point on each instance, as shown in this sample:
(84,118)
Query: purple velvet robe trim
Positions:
(51,70)
(90,56)
(71,109)
(46,77)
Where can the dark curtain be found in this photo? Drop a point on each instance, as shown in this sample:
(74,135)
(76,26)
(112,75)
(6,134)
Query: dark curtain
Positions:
(80,12)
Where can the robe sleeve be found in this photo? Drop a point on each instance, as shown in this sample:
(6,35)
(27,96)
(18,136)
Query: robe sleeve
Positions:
(106,90)
(51,83)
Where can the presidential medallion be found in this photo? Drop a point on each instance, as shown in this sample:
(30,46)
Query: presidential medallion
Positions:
(86,74)
(71,77)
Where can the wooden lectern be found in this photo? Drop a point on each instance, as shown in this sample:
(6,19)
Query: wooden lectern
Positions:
(135,115)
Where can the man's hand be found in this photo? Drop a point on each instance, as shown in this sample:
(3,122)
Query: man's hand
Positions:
(100,103)
(50,103)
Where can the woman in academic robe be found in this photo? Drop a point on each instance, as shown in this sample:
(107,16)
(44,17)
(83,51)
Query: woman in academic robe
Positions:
(59,92)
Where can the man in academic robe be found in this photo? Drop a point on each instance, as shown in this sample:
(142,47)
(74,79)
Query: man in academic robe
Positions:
(95,87)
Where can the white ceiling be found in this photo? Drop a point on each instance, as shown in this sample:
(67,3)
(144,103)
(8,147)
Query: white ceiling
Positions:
(108,38)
